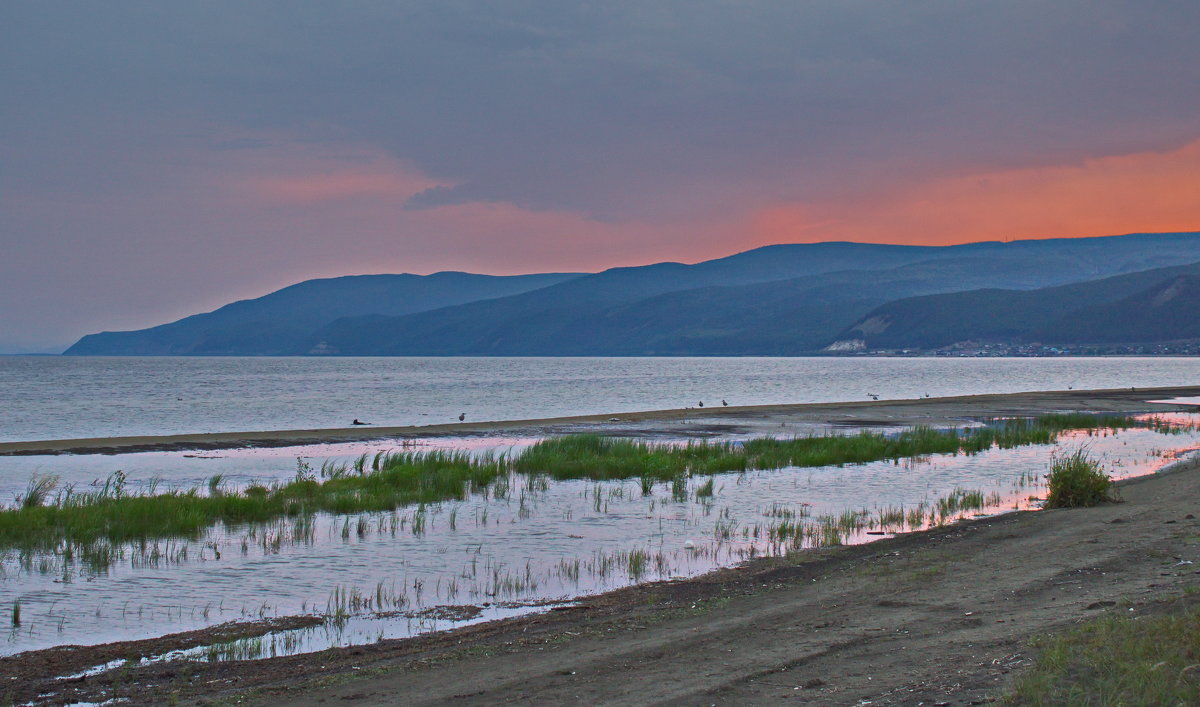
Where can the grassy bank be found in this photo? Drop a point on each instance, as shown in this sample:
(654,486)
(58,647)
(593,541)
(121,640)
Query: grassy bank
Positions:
(70,522)
(1118,660)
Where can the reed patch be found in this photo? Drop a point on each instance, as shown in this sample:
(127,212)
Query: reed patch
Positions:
(89,524)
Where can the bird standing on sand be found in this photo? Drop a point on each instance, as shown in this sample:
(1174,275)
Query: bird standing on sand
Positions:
(462,416)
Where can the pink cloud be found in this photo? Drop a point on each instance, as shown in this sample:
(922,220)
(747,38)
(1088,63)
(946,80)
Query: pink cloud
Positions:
(308,188)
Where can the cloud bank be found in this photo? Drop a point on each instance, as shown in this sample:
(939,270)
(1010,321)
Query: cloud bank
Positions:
(159,158)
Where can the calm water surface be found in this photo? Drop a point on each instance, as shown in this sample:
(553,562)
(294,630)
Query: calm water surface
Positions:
(528,542)
(69,397)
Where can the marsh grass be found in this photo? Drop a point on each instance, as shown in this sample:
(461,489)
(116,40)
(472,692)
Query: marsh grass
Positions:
(605,458)
(83,521)
(1076,480)
(1117,660)
(89,524)
(40,488)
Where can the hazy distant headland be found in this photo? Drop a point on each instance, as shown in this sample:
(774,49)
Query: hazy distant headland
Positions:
(1136,293)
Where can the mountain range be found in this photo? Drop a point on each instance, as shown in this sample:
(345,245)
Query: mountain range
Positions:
(775,300)
(1150,306)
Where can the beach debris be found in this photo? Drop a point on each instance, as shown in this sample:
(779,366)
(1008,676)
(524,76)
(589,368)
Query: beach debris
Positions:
(359,422)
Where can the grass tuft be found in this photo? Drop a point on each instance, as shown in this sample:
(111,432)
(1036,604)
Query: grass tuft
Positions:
(40,488)
(1076,480)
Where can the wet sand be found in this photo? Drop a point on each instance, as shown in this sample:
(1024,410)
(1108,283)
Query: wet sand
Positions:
(689,422)
(938,617)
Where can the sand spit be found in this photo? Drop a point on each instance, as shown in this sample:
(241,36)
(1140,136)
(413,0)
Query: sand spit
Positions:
(689,422)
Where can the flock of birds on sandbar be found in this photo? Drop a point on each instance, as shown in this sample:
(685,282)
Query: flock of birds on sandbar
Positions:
(462,417)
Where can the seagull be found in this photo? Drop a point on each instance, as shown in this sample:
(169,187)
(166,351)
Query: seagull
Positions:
(723,403)
(462,416)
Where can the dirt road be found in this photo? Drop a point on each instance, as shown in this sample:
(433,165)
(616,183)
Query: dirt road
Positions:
(942,617)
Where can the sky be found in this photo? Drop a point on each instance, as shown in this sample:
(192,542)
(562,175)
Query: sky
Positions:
(161,159)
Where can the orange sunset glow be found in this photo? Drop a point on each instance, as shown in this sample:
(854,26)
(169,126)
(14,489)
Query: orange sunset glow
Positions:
(1140,192)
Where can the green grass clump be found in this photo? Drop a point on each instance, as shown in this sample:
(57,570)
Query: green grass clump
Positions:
(110,514)
(1076,480)
(1118,660)
(605,458)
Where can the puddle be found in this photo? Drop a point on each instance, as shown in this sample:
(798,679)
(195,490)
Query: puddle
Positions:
(332,633)
(1177,401)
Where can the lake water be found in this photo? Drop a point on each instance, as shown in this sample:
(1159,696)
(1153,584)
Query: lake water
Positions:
(69,397)
(536,543)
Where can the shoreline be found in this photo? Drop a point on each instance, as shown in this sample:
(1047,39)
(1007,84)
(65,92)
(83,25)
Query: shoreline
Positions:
(689,422)
(962,599)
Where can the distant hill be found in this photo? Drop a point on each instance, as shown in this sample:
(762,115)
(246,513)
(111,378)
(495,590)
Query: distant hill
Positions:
(775,300)
(781,317)
(283,322)
(1144,307)
(279,322)
(673,309)
(1166,311)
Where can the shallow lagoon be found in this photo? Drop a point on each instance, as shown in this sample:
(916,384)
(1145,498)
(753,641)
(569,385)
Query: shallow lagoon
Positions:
(378,575)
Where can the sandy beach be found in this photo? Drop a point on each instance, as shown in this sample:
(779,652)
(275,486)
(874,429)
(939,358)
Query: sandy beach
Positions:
(689,422)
